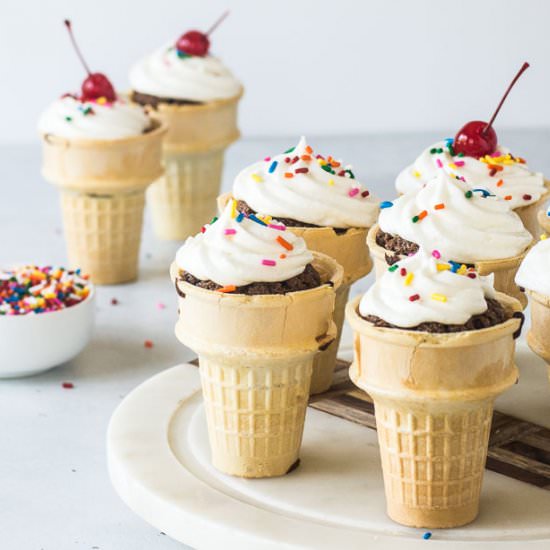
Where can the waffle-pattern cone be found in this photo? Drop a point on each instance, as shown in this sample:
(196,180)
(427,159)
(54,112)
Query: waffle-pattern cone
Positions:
(529,214)
(350,251)
(433,396)
(183,200)
(102,184)
(538,336)
(103,234)
(504,270)
(255,359)
(544,222)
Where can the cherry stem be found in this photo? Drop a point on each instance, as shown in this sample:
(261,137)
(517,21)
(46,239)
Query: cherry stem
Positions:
(524,67)
(217,23)
(75,45)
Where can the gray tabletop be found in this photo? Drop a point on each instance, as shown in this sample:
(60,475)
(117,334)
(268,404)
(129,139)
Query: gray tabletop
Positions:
(54,488)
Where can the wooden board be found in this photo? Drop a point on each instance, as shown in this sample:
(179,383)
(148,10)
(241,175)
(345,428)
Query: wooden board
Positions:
(517,448)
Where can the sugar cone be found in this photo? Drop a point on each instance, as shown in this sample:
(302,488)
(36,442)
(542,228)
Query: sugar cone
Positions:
(102,184)
(433,397)
(529,213)
(544,222)
(538,336)
(184,198)
(255,360)
(350,251)
(504,270)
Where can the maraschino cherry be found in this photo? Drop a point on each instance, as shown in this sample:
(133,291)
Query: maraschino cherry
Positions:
(478,138)
(196,42)
(96,85)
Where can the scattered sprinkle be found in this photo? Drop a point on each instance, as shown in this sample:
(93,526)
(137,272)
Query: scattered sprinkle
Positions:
(353,192)
(289,175)
(469,194)
(282,256)
(148,344)
(439,297)
(160,305)
(114,302)
(277,227)
(393,268)
(270,263)
(436,254)
(240,217)
(508,198)
(67,385)
(303,170)
(386,204)
(414,297)
(439,206)
(284,243)
(408,279)
(331,181)
(417,174)
(229,231)
(256,177)
(427,535)
(365,194)
(500,183)
(527,197)
(272,167)
(439,163)
(228,288)
(254,218)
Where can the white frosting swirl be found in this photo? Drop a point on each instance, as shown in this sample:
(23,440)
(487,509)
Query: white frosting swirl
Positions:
(71,118)
(512,180)
(167,75)
(233,252)
(464,229)
(423,289)
(534,272)
(295,185)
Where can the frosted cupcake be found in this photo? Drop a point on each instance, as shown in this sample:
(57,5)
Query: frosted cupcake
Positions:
(194,93)
(245,287)
(503,174)
(433,347)
(102,152)
(534,276)
(476,157)
(471,227)
(318,198)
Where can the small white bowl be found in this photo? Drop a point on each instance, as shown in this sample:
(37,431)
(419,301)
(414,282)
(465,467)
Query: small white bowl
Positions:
(36,342)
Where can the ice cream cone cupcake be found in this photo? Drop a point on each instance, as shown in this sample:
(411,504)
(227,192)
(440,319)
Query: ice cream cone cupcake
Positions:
(472,227)
(433,348)
(476,157)
(319,199)
(533,275)
(101,152)
(244,290)
(196,96)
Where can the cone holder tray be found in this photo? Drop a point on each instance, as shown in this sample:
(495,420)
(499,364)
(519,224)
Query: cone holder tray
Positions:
(159,464)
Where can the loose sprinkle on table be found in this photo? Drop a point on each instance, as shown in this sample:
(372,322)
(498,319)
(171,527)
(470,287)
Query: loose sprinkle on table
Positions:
(148,344)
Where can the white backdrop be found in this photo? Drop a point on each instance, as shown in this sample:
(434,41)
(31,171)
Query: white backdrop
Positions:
(309,66)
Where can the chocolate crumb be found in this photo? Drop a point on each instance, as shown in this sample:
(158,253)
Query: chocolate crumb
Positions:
(495,315)
(243,207)
(309,278)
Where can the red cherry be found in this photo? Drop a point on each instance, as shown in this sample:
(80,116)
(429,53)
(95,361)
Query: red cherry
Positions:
(477,138)
(95,85)
(98,85)
(193,43)
(197,42)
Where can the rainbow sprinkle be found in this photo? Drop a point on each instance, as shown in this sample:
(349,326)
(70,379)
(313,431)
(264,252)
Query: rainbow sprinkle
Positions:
(438,297)
(33,289)
(386,204)
(284,243)
(270,263)
(229,231)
